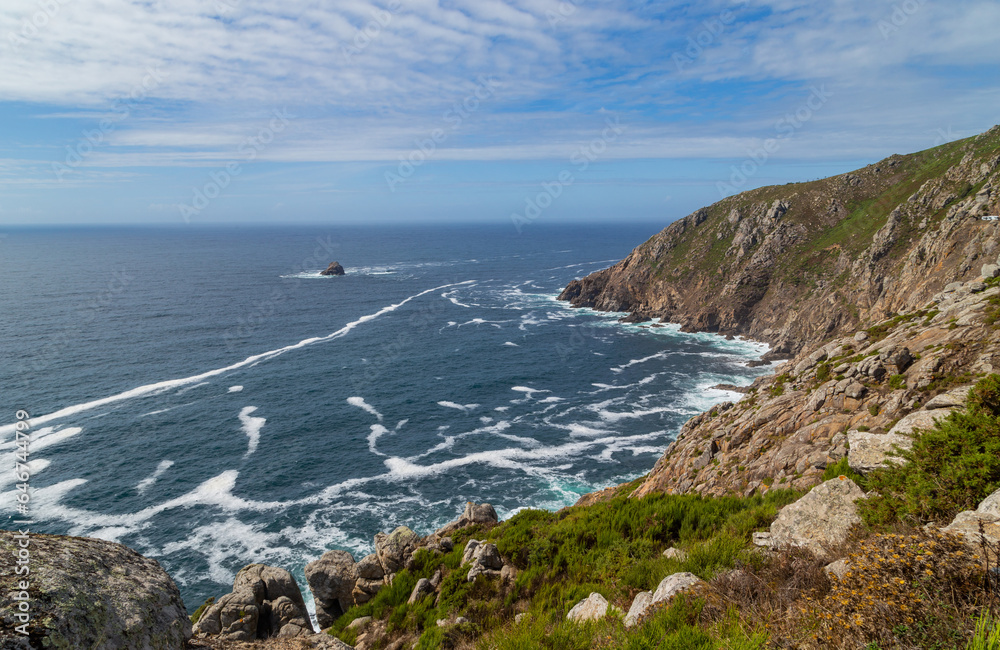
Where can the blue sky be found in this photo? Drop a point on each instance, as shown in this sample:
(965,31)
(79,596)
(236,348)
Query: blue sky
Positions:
(222,111)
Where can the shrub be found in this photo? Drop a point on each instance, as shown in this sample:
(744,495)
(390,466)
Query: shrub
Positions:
(897,382)
(951,467)
(905,591)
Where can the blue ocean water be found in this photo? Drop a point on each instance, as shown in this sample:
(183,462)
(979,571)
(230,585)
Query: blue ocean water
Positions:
(206,397)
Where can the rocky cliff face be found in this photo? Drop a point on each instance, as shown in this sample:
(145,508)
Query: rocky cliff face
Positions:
(796,264)
(853,396)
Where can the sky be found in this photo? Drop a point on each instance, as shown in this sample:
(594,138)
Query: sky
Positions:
(194,112)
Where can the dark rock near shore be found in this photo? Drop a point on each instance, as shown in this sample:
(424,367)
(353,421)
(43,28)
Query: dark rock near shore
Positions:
(334,269)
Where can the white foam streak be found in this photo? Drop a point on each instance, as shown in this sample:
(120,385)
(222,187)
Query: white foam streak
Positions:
(235,389)
(365,406)
(147,482)
(251,427)
(153,389)
(465,408)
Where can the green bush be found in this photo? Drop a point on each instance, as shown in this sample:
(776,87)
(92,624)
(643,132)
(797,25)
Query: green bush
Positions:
(950,468)
(897,382)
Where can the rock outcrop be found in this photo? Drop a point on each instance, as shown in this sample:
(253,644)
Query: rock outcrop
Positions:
(668,588)
(333,269)
(473,514)
(265,603)
(338,582)
(821,520)
(88,593)
(332,579)
(593,608)
(987,515)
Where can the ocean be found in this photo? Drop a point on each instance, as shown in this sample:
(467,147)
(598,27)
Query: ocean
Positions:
(206,397)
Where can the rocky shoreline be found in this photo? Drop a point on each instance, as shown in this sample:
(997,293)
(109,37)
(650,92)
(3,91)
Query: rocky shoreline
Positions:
(885,318)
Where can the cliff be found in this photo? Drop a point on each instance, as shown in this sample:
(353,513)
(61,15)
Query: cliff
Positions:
(879,285)
(797,264)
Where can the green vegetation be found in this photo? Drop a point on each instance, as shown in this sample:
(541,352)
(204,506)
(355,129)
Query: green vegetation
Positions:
(950,468)
(915,589)
(201,610)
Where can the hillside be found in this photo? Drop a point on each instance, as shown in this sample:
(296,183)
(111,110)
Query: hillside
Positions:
(797,264)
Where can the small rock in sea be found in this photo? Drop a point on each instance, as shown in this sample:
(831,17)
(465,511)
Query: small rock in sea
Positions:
(334,269)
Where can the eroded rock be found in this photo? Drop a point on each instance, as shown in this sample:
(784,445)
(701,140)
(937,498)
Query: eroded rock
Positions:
(870,451)
(90,593)
(821,519)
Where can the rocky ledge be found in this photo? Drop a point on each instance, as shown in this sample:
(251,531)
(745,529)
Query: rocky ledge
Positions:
(86,593)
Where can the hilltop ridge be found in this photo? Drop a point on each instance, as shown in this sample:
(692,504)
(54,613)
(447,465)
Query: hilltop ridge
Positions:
(798,264)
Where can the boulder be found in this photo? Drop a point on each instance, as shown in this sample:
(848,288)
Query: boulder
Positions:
(334,269)
(897,356)
(592,608)
(370,568)
(673,585)
(394,549)
(675,554)
(987,514)
(990,505)
(265,603)
(421,589)
(918,420)
(990,271)
(474,514)
(90,593)
(470,550)
(489,556)
(640,604)
(838,568)
(855,390)
(870,451)
(861,337)
(667,589)
(954,398)
(331,580)
(821,519)
(485,560)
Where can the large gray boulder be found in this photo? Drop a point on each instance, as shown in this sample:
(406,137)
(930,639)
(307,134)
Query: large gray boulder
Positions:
(673,585)
(821,519)
(951,399)
(668,588)
(395,548)
(265,603)
(870,451)
(89,593)
(474,514)
(918,420)
(987,515)
(593,608)
(331,579)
